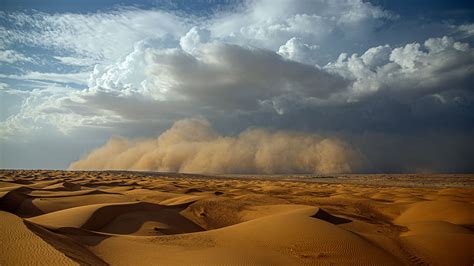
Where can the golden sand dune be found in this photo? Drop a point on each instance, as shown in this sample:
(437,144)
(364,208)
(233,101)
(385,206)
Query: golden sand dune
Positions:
(139,218)
(439,210)
(291,236)
(135,218)
(20,246)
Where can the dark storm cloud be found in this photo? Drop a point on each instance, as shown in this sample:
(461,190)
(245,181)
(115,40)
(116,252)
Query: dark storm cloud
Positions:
(234,77)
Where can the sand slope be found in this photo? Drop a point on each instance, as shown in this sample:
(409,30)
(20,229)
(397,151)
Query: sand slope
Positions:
(19,246)
(291,236)
(436,231)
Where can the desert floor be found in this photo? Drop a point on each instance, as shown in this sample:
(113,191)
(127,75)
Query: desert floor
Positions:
(140,218)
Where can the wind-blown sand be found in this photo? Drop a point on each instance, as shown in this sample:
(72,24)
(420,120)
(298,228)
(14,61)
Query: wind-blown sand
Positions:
(140,218)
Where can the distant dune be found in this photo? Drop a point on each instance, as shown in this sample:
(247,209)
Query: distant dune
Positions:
(140,218)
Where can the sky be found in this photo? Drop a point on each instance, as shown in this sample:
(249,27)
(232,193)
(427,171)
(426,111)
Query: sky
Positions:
(214,86)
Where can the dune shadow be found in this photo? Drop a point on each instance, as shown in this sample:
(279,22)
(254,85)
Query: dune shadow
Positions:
(192,190)
(66,245)
(131,218)
(325,216)
(18,202)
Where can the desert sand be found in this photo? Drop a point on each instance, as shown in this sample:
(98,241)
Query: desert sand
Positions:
(144,218)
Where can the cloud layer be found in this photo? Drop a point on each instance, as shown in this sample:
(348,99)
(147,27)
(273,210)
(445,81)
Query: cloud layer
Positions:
(345,68)
(192,146)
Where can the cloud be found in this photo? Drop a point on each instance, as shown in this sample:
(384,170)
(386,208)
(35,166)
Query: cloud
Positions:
(194,38)
(230,76)
(104,36)
(339,68)
(410,72)
(12,56)
(3,86)
(295,49)
(79,78)
(192,146)
(107,36)
(75,61)
(53,108)
(467,30)
(221,80)
(330,25)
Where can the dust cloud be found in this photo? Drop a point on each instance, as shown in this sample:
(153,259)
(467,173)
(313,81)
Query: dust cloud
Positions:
(193,146)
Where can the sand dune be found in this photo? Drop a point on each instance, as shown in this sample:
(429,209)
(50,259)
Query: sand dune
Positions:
(136,218)
(125,218)
(19,246)
(440,243)
(290,236)
(439,210)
